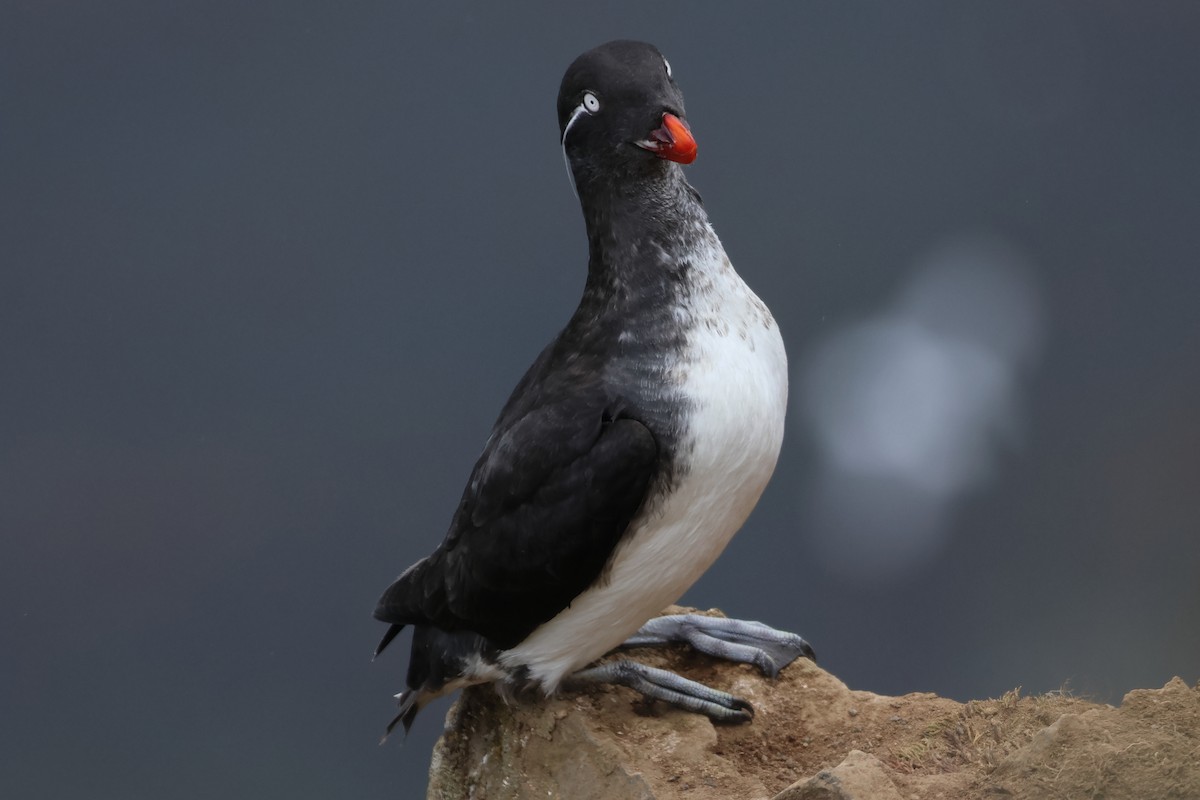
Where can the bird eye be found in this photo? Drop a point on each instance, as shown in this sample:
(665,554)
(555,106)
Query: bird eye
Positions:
(591,103)
(667,64)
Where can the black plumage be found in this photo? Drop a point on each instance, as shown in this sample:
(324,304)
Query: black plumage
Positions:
(596,432)
(586,434)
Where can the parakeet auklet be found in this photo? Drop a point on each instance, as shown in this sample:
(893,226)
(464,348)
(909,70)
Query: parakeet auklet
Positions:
(629,453)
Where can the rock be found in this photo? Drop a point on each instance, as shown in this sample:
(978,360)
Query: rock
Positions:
(1149,747)
(600,748)
(860,776)
(812,737)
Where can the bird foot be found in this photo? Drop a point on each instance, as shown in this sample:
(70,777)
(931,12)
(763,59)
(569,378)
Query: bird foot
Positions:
(736,640)
(660,684)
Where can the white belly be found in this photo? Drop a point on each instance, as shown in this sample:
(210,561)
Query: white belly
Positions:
(738,388)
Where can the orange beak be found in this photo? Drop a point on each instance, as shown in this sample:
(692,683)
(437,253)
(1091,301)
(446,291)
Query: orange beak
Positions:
(673,141)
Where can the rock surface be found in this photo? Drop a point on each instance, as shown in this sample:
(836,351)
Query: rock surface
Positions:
(814,739)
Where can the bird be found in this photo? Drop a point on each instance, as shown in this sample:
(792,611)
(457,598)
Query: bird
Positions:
(632,449)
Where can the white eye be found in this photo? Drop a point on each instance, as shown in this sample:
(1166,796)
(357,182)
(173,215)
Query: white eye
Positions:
(591,103)
(667,64)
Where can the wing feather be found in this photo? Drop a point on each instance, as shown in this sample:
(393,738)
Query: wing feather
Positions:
(546,505)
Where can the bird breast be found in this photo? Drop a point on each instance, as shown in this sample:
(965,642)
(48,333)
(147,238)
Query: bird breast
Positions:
(732,377)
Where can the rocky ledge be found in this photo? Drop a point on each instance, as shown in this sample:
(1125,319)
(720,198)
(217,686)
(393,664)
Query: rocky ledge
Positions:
(814,739)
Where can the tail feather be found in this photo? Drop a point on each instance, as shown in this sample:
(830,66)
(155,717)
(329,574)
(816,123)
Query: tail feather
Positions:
(410,703)
(392,632)
(440,662)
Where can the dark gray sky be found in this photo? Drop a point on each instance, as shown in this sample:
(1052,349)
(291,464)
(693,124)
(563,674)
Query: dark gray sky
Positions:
(268,271)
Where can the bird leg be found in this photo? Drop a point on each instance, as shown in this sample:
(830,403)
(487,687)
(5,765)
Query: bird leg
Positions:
(730,639)
(660,684)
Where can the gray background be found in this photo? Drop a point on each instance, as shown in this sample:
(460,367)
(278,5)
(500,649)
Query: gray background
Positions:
(268,271)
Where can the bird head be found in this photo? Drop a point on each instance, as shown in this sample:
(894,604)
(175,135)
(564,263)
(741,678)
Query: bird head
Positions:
(620,112)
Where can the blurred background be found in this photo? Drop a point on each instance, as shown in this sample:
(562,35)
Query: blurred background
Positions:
(269,270)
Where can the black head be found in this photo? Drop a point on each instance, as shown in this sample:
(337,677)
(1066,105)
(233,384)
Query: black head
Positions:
(620,112)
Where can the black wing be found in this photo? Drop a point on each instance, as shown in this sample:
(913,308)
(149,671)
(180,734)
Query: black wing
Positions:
(547,503)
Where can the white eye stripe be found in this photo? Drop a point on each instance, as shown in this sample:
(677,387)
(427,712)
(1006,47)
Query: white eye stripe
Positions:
(667,64)
(589,105)
(579,111)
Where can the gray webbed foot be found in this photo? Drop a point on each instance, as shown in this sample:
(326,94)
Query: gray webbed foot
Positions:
(660,684)
(730,639)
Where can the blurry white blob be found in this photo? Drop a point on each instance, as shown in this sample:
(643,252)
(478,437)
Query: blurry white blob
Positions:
(907,407)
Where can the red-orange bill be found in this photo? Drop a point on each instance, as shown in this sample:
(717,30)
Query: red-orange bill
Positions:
(673,141)
(683,145)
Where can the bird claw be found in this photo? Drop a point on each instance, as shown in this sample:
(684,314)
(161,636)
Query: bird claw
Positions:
(737,640)
(661,684)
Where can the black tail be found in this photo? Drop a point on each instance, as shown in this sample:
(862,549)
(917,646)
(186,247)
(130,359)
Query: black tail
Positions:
(392,633)
(438,663)
(410,704)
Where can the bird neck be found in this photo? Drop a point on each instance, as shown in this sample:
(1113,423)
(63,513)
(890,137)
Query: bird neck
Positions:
(640,232)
